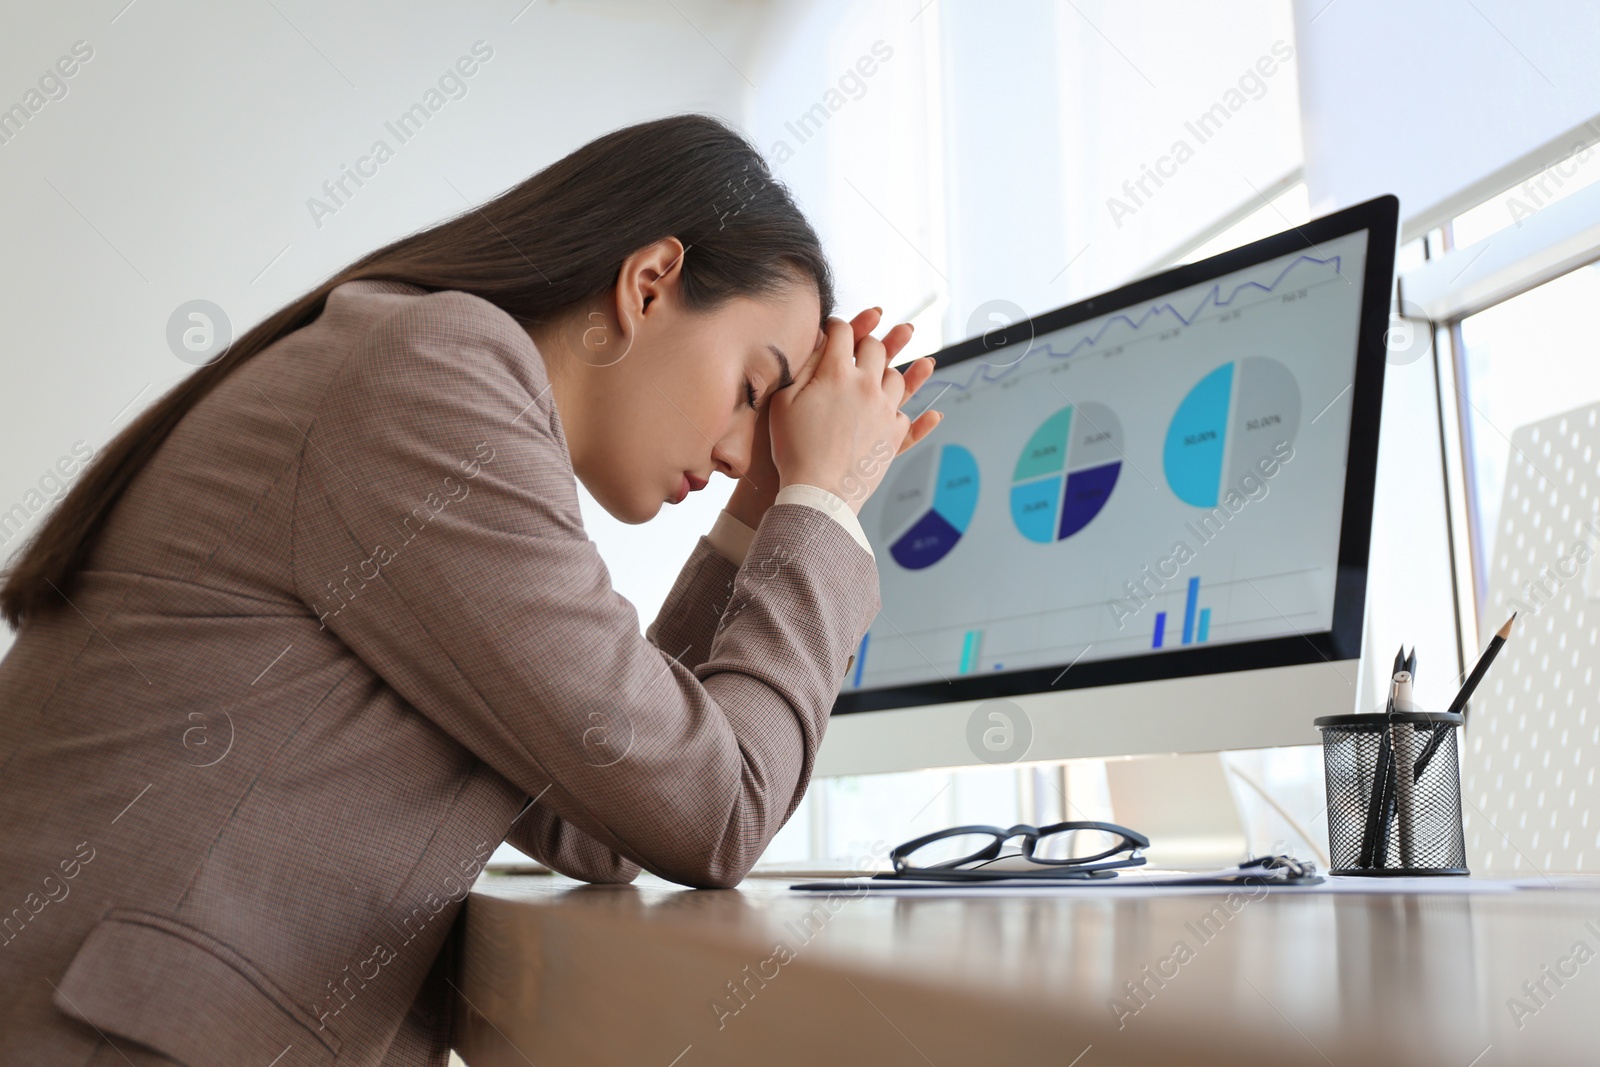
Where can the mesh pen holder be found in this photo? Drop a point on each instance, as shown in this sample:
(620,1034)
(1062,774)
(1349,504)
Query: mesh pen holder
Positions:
(1422,834)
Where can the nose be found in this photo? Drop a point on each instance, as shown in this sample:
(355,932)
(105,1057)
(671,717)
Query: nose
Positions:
(732,453)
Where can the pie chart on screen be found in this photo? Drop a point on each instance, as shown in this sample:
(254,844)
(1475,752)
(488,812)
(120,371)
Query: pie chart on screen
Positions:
(929,505)
(1066,472)
(1232,419)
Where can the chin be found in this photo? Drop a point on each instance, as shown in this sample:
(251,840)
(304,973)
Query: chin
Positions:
(636,512)
(625,507)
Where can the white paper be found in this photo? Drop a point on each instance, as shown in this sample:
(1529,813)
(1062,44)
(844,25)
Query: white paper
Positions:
(1437,886)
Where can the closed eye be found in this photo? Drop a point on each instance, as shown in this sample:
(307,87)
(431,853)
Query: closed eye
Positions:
(750,394)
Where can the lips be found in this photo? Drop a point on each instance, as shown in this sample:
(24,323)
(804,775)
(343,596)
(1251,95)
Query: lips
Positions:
(688,485)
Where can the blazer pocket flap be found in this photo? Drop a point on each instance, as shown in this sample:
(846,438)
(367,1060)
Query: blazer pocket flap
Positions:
(189,996)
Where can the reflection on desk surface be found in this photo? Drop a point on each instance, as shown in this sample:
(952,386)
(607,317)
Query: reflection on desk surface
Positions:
(650,971)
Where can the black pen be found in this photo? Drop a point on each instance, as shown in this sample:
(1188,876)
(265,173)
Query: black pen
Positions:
(1460,702)
(1382,774)
(1399,701)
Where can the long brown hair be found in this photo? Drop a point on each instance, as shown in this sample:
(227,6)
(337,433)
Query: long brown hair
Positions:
(538,250)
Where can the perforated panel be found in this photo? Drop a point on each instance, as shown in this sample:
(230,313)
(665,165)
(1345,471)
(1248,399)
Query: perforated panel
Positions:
(1533,736)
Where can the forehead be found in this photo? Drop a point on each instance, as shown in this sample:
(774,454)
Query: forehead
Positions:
(795,300)
(790,318)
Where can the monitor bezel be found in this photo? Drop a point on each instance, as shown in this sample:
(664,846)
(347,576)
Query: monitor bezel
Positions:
(1342,641)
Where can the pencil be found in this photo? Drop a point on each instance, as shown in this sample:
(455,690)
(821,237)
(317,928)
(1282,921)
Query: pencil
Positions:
(1460,702)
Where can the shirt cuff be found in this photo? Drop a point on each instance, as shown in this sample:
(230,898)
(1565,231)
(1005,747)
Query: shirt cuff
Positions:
(732,538)
(822,500)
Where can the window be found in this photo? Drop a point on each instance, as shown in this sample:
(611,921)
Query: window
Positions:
(1525,360)
(1529,426)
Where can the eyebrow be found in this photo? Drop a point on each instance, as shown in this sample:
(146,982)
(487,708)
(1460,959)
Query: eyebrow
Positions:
(786,378)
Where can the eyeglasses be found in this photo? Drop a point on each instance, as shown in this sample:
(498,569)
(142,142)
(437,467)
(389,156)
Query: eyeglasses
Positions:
(1060,850)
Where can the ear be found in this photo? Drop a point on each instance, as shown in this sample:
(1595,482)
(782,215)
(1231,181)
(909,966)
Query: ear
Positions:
(648,277)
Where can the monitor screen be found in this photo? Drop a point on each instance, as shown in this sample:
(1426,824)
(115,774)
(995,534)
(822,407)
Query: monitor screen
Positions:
(1155,474)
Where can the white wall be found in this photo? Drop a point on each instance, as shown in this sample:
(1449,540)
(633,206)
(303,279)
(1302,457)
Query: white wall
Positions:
(178,162)
(1425,98)
(977,166)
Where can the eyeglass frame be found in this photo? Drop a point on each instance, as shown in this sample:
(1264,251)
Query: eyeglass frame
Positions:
(1133,842)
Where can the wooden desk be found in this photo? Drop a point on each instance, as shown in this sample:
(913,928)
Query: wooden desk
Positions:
(556,972)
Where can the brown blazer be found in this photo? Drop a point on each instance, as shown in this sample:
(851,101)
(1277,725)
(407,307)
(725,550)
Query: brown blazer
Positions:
(343,636)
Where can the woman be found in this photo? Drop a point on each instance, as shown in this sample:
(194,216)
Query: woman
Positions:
(322,627)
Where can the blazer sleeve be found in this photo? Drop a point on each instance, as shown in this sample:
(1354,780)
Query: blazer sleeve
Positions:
(687,622)
(683,627)
(541,833)
(437,534)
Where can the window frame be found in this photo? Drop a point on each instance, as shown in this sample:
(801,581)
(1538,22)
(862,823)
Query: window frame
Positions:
(1456,282)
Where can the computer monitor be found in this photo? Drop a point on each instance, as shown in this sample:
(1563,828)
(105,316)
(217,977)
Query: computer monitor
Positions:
(1143,524)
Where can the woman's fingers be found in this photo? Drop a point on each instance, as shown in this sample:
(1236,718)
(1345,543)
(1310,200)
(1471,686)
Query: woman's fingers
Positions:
(896,339)
(835,347)
(830,344)
(866,321)
(913,376)
(861,328)
(917,372)
(807,368)
(871,357)
(920,427)
(821,428)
